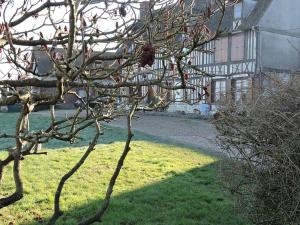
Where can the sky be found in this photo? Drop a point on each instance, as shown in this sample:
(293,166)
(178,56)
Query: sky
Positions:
(42,23)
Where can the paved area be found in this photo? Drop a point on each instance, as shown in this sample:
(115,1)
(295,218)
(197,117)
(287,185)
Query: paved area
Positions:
(192,132)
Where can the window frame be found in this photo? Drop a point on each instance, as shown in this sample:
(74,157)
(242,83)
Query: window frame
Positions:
(243,89)
(221,93)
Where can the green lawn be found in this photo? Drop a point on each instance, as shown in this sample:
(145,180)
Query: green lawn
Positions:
(160,184)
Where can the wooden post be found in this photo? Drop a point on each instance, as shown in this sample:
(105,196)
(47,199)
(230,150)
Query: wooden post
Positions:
(210,91)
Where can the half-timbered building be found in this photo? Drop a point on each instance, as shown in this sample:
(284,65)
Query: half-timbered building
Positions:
(259,36)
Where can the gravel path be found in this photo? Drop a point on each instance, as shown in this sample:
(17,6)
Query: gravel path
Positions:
(193,132)
(196,133)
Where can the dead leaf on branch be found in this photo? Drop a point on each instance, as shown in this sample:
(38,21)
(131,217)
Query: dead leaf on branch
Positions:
(3,41)
(148,55)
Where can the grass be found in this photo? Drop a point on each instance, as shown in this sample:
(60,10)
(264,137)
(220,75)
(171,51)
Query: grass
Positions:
(161,183)
(8,120)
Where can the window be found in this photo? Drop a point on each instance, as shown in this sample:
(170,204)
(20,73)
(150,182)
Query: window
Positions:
(221,50)
(237,47)
(241,88)
(208,55)
(269,82)
(218,90)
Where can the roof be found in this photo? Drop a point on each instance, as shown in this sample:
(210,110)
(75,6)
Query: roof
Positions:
(92,1)
(45,64)
(256,14)
(43,61)
(227,21)
(199,5)
(251,20)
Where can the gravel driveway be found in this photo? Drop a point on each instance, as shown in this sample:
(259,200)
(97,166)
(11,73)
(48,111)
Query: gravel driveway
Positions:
(197,133)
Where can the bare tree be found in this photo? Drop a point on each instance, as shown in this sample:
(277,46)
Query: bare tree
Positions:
(101,49)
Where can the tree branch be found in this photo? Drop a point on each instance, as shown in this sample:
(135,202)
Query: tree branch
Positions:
(98,216)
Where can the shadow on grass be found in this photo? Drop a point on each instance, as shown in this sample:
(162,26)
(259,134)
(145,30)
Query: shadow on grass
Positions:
(193,197)
(111,134)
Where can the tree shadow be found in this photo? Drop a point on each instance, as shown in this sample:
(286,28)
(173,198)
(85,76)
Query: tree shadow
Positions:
(193,197)
(110,134)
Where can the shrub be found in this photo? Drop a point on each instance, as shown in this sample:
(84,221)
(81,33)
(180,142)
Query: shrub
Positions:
(263,139)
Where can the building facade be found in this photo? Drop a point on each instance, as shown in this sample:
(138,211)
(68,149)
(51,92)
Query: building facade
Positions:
(259,37)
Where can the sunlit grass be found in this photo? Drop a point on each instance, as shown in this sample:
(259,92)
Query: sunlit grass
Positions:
(160,184)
